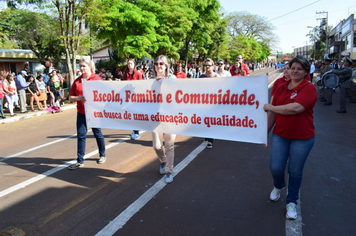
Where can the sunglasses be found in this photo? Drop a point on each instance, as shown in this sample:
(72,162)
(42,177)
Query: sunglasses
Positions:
(221,64)
(159,63)
(239,58)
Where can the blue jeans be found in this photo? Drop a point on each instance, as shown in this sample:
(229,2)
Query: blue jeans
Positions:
(82,135)
(210,140)
(1,110)
(297,150)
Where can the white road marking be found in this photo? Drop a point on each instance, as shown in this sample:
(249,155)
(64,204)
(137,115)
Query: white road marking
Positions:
(272,83)
(38,147)
(131,210)
(54,170)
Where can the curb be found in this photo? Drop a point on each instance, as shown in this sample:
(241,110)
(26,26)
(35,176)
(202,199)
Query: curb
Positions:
(30,115)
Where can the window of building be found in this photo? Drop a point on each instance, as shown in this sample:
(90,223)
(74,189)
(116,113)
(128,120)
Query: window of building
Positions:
(348,42)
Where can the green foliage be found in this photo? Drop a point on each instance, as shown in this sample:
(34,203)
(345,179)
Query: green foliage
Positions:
(137,28)
(202,36)
(129,29)
(35,31)
(144,27)
(251,36)
(217,46)
(318,37)
(107,65)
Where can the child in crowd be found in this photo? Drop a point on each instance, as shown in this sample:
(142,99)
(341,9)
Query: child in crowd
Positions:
(43,91)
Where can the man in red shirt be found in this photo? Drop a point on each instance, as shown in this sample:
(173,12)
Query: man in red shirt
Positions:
(244,66)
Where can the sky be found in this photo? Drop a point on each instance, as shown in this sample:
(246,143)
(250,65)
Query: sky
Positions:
(293,17)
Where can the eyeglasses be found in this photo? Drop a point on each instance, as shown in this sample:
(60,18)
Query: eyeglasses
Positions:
(208,65)
(159,63)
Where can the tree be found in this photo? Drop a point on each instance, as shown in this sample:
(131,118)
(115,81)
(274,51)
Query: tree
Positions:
(34,31)
(253,25)
(144,27)
(251,35)
(319,39)
(217,47)
(5,40)
(128,28)
(72,14)
(207,16)
(173,28)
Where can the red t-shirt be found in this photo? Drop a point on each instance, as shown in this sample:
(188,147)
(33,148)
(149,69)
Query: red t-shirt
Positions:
(134,76)
(102,75)
(244,68)
(299,126)
(278,83)
(77,90)
(181,75)
(308,77)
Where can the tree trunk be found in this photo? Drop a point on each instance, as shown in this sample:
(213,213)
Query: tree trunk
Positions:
(186,53)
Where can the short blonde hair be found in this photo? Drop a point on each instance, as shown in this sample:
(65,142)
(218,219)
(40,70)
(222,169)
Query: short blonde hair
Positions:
(89,62)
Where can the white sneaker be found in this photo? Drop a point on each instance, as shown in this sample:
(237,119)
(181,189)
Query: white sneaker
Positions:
(169,178)
(135,136)
(101,160)
(275,194)
(291,211)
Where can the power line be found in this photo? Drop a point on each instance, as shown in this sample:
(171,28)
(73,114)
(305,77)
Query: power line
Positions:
(294,10)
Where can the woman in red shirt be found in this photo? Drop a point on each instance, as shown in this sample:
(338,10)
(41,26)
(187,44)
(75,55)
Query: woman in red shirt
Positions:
(178,71)
(87,69)
(280,81)
(132,74)
(293,136)
(238,71)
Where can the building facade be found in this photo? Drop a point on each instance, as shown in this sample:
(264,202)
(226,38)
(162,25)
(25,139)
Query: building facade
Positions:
(342,39)
(303,51)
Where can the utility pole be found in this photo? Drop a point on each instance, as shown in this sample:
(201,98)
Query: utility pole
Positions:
(326,31)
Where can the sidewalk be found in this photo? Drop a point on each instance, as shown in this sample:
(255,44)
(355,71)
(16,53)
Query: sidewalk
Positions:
(21,116)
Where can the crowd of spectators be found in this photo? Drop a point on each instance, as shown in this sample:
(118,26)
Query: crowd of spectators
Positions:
(38,90)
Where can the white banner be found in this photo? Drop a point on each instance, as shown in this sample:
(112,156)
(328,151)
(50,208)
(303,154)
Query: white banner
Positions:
(223,108)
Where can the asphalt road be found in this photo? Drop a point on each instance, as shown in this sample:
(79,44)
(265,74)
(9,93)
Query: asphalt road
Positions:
(219,191)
